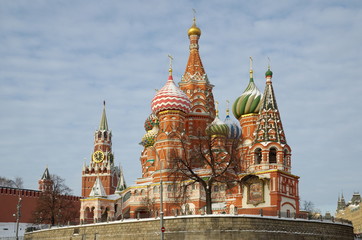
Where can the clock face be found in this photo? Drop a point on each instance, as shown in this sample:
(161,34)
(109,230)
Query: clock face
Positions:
(98,156)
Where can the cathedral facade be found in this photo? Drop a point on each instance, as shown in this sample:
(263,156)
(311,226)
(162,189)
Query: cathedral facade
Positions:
(192,161)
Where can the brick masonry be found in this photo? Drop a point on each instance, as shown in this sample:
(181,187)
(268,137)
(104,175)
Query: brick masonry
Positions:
(202,228)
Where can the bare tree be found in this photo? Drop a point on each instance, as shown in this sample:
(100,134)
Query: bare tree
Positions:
(55,206)
(17,183)
(310,208)
(207,162)
(149,203)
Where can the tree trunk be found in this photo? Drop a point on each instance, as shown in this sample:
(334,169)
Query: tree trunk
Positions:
(208,199)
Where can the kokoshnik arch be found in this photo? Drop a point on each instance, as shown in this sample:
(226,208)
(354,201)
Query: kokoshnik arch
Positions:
(259,178)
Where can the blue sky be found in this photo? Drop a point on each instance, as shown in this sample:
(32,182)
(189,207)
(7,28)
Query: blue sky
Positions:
(61,59)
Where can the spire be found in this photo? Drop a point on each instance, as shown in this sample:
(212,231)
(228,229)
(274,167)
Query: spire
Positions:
(98,189)
(170,68)
(194,69)
(121,182)
(251,70)
(46,175)
(103,125)
(269,125)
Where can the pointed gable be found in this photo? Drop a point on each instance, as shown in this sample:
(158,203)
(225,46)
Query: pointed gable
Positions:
(121,182)
(98,189)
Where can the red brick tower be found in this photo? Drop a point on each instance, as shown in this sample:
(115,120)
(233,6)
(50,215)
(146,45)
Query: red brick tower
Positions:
(269,183)
(197,87)
(246,110)
(102,163)
(171,106)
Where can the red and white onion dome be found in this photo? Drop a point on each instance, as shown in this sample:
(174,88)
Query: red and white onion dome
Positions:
(170,97)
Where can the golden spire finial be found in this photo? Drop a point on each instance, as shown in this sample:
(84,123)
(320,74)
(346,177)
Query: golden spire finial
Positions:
(227,108)
(268,63)
(194,30)
(251,67)
(217,108)
(171,59)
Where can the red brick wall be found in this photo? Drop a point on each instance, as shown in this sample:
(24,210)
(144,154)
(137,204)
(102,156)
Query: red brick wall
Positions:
(9,199)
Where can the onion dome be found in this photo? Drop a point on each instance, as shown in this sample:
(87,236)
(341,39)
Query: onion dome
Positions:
(151,121)
(249,101)
(269,73)
(217,127)
(194,30)
(170,97)
(234,128)
(150,137)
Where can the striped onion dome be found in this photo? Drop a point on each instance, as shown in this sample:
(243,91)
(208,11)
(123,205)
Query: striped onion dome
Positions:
(150,137)
(170,97)
(249,101)
(217,127)
(234,128)
(151,121)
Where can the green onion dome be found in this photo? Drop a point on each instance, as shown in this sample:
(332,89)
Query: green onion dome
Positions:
(150,137)
(151,121)
(218,128)
(249,101)
(269,73)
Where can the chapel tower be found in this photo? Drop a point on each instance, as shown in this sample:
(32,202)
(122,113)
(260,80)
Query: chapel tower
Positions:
(197,87)
(171,106)
(102,161)
(246,110)
(268,181)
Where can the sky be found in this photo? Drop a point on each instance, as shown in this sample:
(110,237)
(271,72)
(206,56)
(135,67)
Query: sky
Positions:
(61,59)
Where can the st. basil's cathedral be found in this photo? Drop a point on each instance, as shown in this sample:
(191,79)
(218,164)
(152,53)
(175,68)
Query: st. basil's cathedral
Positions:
(253,164)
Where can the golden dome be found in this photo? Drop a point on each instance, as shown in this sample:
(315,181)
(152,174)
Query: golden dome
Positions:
(194,30)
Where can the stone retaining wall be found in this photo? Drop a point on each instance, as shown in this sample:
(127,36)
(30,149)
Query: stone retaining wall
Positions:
(203,227)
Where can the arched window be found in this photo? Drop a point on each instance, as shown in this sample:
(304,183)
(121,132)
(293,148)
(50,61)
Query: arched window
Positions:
(135,192)
(273,155)
(258,156)
(216,188)
(155,189)
(169,188)
(105,135)
(99,134)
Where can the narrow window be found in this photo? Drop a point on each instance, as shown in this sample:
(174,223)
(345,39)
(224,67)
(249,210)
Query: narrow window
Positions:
(272,155)
(258,156)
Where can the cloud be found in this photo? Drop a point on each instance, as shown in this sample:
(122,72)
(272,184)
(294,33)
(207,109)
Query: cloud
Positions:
(60,60)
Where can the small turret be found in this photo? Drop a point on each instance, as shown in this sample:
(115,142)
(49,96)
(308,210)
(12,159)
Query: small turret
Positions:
(45,183)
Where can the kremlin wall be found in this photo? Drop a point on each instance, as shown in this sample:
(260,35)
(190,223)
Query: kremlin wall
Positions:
(195,164)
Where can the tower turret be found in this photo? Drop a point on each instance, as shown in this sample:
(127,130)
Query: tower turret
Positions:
(197,87)
(102,160)
(45,183)
(270,148)
(170,105)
